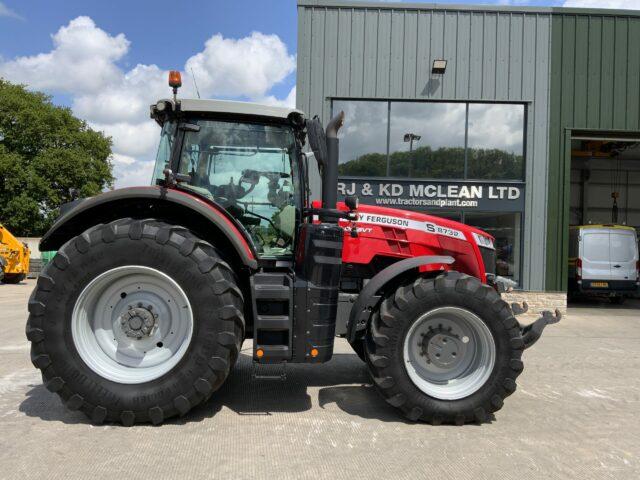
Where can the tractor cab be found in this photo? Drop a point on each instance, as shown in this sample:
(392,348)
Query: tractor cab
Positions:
(244,157)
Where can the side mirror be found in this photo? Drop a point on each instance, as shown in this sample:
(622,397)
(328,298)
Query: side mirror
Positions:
(352,202)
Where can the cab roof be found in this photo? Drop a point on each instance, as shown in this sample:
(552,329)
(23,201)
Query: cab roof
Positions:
(234,107)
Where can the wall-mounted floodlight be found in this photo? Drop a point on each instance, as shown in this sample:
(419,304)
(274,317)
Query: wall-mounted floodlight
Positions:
(439,66)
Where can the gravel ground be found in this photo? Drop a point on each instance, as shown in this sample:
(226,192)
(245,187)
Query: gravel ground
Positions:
(575,415)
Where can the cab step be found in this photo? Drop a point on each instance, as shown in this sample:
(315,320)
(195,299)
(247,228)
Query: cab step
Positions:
(273,317)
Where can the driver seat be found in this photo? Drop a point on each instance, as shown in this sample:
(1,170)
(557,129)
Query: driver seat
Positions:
(285,222)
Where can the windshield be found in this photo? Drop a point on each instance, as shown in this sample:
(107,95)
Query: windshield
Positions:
(249,170)
(167,136)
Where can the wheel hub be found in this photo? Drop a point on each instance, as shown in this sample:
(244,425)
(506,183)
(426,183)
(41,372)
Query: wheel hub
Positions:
(138,322)
(442,348)
(449,352)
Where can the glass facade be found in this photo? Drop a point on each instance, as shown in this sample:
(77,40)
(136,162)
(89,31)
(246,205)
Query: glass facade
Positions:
(461,143)
(420,145)
(506,229)
(434,140)
(495,146)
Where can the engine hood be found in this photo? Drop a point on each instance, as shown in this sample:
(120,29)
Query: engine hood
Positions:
(406,219)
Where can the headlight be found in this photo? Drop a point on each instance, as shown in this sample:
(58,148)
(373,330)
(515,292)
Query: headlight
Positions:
(483,241)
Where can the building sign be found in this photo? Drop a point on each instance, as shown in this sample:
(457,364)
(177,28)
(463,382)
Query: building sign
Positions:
(433,195)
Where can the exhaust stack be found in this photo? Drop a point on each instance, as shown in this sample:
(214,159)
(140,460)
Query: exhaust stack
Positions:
(330,174)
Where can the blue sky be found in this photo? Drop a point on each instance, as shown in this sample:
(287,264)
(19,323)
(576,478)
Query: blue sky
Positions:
(108,59)
(161,32)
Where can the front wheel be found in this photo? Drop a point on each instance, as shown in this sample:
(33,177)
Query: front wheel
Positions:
(445,350)
(135,321)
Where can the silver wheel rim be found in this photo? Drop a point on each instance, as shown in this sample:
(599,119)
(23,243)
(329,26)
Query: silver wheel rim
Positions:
(449,353)
(132,324)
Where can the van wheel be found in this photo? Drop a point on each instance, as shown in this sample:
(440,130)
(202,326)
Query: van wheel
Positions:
(135,321)
(445,350)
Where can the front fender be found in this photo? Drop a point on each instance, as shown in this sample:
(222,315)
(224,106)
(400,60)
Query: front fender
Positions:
(370,295)
(203,216)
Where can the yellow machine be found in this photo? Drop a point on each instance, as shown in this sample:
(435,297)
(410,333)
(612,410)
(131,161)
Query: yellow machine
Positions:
(14,258)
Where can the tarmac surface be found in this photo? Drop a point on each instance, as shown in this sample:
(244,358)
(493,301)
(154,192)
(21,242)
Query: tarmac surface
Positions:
(576,414)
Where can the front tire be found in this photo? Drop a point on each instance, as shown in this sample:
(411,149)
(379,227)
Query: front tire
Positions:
(135,321)
(467,352)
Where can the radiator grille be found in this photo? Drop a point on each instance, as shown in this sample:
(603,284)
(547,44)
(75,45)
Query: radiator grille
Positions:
(489,259)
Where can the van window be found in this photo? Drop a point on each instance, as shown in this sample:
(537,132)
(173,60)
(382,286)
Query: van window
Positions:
(596,247)
(623,247)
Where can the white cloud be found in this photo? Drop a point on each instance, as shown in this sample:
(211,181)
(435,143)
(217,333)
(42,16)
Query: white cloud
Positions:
(7,12)
(83,60)
(621,4)
(248,66)
(119,159)
(84,63)
(138,173)
(289,101)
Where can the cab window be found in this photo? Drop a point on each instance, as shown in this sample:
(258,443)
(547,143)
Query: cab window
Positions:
(248,169)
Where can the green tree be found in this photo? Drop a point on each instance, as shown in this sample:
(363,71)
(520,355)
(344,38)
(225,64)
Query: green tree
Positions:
(443,163)
(44,153)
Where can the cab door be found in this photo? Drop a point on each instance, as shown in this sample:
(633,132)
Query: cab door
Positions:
(624,254)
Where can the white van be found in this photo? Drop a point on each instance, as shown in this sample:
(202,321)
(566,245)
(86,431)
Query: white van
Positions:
(603,260)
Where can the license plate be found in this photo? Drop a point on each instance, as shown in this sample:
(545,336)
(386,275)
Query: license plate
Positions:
(600,284)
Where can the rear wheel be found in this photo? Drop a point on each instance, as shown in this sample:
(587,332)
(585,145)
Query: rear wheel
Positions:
(135,321)
(445,350)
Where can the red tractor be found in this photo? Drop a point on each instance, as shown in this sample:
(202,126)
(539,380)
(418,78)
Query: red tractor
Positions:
(141,314)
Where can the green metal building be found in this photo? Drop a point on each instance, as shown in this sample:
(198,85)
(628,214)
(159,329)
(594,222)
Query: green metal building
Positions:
(520,120)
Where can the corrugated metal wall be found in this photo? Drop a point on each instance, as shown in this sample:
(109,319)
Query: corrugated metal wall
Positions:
(595,85)
(386,51)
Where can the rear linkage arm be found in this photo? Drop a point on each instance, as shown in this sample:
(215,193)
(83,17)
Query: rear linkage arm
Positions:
(530,333)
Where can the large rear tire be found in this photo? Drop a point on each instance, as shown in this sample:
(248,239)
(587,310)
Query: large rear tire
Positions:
(445,350)
(135,321)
